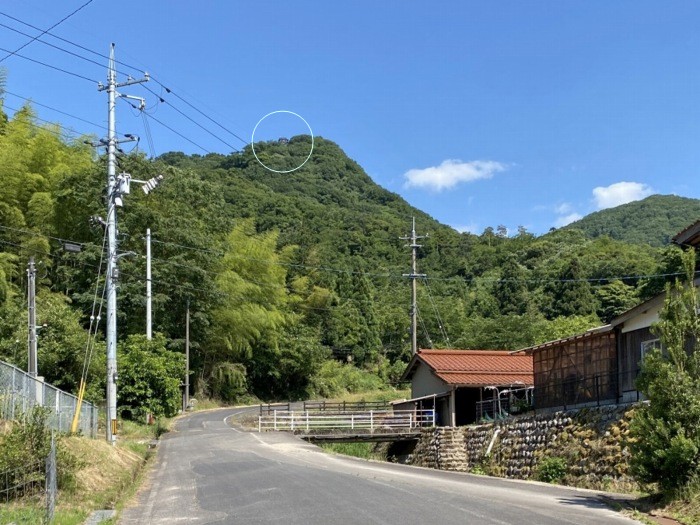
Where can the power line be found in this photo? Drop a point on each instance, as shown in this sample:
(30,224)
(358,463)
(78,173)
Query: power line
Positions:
(162,100)
(77,75)
(140,70)
(34,102)
(169,128)
(59,48)
(59,134)
(46,31)
(168,90)
(366,274)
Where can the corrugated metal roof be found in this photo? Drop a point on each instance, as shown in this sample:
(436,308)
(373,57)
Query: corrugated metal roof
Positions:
(690,235)
(477,367)
(559,342)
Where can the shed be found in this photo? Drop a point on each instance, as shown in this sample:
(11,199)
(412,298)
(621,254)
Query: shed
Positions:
(460,384)
(689,236)
(576,370)
(599,366)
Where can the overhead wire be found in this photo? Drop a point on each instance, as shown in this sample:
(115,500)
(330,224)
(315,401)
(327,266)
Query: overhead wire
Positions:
(366,274)
(63,133)
(47,30)
(162,100)
(166,126)
(71,73)
(167,89)
(441,324)
(34,102)
(425,329)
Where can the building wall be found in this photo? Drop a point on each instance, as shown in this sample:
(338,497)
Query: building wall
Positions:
(643,320)
(630,348)
(424,383)
(577,372)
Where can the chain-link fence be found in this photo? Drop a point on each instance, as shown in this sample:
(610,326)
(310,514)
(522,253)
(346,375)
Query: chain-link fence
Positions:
(35,482)
(20,392)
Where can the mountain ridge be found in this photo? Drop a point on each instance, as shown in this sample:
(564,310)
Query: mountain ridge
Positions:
(653,220)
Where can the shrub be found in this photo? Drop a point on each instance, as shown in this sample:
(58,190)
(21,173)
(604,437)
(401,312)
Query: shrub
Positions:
(665,433)
(27,445)
(551,470)
(334,379)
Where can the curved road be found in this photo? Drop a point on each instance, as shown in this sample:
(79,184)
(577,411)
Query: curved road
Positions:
(209,472)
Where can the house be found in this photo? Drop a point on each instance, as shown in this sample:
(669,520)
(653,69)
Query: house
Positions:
(600,366)
(689,237)
(462,386)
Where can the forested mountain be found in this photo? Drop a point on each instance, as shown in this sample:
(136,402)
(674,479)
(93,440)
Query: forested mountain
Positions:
(654,220)
(287,276)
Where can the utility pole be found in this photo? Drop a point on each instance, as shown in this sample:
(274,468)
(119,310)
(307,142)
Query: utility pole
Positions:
(32,368)
(413,276)
(149,319)
(115,190)
(187,358)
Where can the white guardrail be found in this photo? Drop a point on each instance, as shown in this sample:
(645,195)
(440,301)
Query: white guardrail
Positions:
(372,420)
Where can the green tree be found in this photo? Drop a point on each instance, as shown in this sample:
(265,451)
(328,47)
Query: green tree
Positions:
(665,433)
(572,294)
(511,288)
(615,298)
(149,377)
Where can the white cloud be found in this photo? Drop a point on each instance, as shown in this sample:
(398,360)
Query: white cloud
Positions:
(567,219)
(471,228)
(620,193)
(563,209)
(450,173)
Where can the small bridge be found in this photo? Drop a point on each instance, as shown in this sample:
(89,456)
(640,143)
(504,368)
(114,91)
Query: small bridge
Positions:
(341,426)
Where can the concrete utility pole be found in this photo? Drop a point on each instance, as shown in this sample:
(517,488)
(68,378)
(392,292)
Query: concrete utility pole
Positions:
(149,319)
(187,358)
(413,276)
(115,190)
(32,368)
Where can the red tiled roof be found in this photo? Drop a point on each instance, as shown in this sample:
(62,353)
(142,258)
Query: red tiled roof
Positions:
(476,367)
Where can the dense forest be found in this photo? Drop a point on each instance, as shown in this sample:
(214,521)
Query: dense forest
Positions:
(295,282)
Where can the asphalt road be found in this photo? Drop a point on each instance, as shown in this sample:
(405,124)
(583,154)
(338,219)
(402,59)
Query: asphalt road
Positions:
(208,472)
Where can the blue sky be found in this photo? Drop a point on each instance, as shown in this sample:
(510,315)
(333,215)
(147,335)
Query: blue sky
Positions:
(520,113)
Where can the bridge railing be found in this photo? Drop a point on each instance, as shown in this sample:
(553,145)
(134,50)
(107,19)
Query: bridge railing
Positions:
(370,421)
(345,406)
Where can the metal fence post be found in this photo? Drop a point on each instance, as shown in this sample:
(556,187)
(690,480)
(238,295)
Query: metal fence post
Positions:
(12,397)
(274,413)
(51,481)
(371,420)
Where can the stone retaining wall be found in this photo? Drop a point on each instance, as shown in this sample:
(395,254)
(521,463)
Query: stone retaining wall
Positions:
(590,440)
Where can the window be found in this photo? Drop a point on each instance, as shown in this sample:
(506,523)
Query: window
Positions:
(648,346)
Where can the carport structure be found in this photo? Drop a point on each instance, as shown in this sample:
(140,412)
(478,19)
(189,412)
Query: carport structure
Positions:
(457,383)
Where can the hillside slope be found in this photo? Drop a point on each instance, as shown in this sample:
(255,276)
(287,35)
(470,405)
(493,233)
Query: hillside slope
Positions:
(654,220)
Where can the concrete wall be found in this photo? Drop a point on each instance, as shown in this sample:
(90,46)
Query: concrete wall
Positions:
(591,441)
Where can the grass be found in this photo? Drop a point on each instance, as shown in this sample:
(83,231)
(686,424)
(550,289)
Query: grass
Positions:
(375,395)
(358,450)
(106,477)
